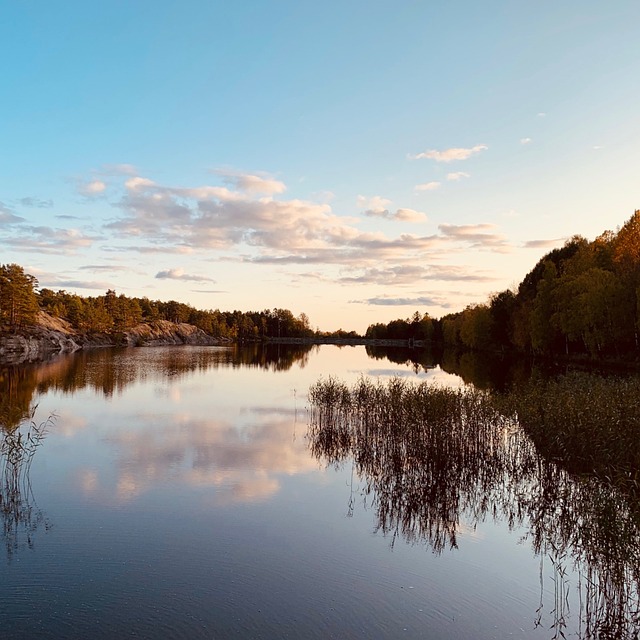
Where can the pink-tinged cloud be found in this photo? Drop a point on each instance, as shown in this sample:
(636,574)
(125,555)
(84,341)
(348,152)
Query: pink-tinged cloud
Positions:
(457,175)
(179,274)
(92,188)
(252,184)
(450,155)
(544,244)
(428,186)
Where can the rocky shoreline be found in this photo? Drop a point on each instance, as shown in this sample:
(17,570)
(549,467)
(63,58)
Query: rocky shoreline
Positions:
(54,336)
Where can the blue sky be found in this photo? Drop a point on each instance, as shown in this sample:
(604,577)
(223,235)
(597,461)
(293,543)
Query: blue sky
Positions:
(356,161)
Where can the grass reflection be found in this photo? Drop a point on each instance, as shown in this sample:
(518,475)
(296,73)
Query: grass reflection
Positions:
(20,515)
(433,457)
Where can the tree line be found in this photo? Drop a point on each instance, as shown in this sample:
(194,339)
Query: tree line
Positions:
(112,312)
(20,302)
(582,299)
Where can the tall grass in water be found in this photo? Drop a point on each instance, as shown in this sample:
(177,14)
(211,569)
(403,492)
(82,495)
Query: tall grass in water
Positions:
(20,517)
(424,450)
(588,423)
(433,457)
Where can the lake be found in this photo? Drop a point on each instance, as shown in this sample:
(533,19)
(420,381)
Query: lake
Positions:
(182,492)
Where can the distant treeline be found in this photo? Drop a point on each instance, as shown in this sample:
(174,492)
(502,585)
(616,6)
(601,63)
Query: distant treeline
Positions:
(20,303)
(112,312)
(581,299)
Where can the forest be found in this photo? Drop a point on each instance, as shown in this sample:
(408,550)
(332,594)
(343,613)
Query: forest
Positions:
(20,302)
(580,300)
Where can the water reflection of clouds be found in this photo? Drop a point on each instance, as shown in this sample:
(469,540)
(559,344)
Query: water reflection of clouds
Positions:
(242,463)
(69,424)
(170,392)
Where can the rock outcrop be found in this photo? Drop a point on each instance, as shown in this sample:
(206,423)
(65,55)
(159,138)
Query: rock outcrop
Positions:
(165,332)
(53,336)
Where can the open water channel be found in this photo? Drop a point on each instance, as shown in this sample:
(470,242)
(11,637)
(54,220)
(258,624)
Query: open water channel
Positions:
(178,493)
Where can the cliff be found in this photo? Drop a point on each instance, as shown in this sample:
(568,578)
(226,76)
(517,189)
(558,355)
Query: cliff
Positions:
(52,336)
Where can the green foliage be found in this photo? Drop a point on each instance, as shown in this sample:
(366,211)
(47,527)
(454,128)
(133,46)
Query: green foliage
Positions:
(112,312)
(559,459)
(582,300)
(476,328)
(589,422)
(18,302)
(417,327)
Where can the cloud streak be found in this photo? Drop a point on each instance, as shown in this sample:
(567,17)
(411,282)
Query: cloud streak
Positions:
(8,217)
(36,203)
(420,301)
(92,188)
(180,274)
(543,244)
(478,236)
(457,175)
(252,184)
(428,186)
(450,155)
(50,240)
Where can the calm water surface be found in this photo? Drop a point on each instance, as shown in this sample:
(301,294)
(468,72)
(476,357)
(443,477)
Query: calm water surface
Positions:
(176,495)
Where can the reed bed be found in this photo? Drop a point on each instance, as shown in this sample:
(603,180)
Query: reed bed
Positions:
(428,452)
(434,458)
(20,517)
(588,423)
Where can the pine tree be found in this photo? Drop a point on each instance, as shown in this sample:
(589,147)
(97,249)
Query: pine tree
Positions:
(18,301)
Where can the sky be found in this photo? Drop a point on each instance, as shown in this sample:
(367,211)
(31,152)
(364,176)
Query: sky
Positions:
(355,161)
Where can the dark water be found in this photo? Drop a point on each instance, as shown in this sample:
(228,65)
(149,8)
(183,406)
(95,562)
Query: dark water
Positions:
(178,494)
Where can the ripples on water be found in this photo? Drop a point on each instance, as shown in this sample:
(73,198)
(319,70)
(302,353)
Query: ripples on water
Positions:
(179,494)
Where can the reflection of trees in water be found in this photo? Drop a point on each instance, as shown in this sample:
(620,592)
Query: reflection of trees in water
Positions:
(20,515)
(432,458)
(418,359)
(17,384)
(110,371)
(272,356)
(483,370)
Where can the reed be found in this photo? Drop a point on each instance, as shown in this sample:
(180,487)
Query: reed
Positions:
(588,423)
(18,512)
(432,458)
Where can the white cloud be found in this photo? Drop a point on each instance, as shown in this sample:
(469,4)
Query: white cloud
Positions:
(137,182)
(7,216)
(374,203)
(105,267)
(159,219)
(49,240)
(428,186)
(480,236)
(179,274)
(252,184)
(56,281)
(525,140)
(399,275)
(92,188)
(403,302)
(541,114)
(544,244)
(450,155)
(410,215)
(457,175)
(377,207)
